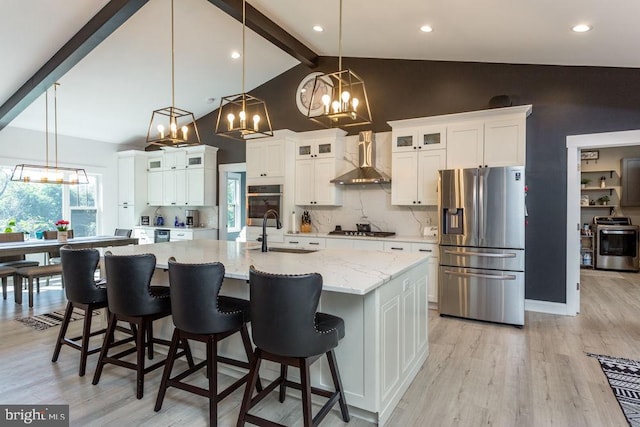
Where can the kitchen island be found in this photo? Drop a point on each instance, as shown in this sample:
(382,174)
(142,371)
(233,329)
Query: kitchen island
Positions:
(381,296)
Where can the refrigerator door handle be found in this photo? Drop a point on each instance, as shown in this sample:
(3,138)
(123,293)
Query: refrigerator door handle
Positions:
(480,206)
(480,254)
(480,275)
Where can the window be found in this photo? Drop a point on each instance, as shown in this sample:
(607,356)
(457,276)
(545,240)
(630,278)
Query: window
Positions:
(37,207)
(234,213)
(83,211)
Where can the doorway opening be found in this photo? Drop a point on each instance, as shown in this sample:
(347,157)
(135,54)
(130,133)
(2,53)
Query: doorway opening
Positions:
(575,144)
(232,207)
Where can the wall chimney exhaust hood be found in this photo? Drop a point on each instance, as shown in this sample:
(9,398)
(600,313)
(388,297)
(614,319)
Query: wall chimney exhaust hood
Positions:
(366,173)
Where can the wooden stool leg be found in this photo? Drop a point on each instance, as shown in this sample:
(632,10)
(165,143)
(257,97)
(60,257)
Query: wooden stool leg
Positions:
(63,331)
(171,357)
(86,334)
(305,383)
(140,358)
(254,370)
(283,385)
(337,382)
(149,326)
(246,341)
(105,347)
(212,369)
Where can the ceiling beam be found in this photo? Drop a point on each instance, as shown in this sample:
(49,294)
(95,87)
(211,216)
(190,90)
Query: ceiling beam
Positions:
(269,30)
(105,22)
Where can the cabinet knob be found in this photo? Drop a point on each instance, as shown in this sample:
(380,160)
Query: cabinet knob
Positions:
(419,202)
(414,202)
(415,148)
(420,147)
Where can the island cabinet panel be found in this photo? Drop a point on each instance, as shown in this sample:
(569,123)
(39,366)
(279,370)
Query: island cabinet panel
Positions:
(390,336)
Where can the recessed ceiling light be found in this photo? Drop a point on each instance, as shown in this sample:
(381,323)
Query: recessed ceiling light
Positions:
(581,28)
(235,54)
(426,28)
(318,28)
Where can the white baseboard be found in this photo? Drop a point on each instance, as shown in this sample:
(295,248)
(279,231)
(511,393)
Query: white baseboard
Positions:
(545,307)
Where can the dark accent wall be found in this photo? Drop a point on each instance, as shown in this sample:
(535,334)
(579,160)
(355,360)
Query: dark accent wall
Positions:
(566,101)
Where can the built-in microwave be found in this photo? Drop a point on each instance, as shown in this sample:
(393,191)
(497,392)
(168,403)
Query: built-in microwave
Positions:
(260,199)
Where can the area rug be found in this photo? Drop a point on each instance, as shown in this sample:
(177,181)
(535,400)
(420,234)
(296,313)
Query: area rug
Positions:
(624,379)
(47,320)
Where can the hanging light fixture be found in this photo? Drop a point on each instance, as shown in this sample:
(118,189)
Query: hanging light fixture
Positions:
(171,126)
(50,174)
(243,116)
(342,95)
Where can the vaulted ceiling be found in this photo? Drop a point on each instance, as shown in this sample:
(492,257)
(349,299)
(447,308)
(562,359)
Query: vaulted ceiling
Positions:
(109,94)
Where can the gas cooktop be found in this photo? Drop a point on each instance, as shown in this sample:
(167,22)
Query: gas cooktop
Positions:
(362,233)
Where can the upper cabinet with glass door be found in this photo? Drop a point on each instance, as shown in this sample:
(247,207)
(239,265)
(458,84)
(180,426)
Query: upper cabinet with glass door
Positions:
(419,138)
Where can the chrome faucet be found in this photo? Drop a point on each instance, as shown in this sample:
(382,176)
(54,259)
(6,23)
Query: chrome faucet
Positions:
(264,226)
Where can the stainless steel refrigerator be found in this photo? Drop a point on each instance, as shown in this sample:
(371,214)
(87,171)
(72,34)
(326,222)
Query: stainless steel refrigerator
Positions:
(482,217)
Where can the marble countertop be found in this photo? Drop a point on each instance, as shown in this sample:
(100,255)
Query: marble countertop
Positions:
(397,238)
(346,271)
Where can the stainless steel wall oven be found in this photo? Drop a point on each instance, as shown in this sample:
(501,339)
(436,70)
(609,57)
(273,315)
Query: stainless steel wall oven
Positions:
(261,198)
(616,243)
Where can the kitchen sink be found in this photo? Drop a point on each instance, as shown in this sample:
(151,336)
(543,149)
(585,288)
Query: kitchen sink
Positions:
(291,250)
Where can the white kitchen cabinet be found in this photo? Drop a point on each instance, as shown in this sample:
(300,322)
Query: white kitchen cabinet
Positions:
(312,149)
(414,177)
(127,216)
(360,244)
(303,242)
(466,145)
(495,137)
(317,159)
(174,158)
(155,188)
(419,138)
(486,144)
(183,177)
(430,249)
(145,235)
(265,158)
(132,187)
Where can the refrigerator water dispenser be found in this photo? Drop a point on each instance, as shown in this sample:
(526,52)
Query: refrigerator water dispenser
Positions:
(453,220)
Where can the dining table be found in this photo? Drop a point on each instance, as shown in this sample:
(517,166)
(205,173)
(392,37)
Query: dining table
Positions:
(35,246)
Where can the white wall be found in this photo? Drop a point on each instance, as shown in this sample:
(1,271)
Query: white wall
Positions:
(27,146)
(370,203)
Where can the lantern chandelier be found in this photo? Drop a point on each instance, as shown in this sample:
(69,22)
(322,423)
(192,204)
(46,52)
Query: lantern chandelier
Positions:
(171,126)
(50,174)
(243,116)
(342,95)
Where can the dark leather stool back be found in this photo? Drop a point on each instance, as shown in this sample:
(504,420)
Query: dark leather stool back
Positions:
(194,299)
(129,279)
(283,311)
(78,269)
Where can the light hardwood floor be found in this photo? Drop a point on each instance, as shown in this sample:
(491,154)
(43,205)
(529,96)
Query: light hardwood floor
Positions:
(476,374)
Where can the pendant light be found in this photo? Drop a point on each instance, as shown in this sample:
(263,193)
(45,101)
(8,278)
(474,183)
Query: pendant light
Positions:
(342,95)
(50,174)
(243,116)
(171,126)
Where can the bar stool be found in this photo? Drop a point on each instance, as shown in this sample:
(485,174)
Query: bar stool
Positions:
(287,330)
(82,291)
(131,298)
(201,314)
